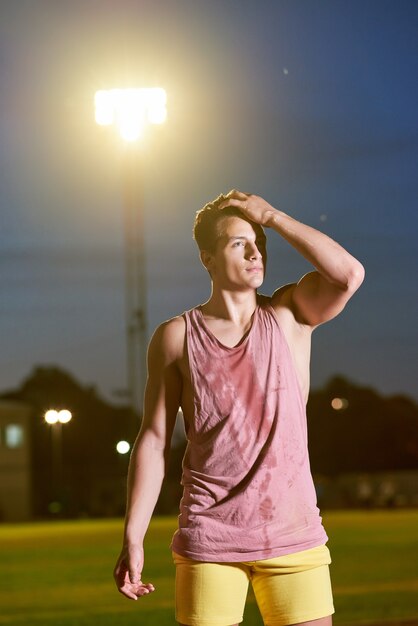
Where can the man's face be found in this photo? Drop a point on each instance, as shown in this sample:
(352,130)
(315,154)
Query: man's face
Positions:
(239,259)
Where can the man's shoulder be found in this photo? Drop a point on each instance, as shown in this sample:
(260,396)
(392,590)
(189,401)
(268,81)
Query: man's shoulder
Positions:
(172,328)
(283,305)
(281,298)
(169,336)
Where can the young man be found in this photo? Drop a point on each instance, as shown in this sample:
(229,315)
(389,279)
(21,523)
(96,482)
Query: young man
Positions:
(238,366)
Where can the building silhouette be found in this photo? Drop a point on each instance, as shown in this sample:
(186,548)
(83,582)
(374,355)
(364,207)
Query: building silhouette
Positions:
(15,461)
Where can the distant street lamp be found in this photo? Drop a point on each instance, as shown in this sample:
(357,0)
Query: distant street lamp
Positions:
(56,419)
(123,447)
(131,110)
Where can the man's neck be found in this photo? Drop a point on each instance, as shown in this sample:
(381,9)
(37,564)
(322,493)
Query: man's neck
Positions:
(235,306)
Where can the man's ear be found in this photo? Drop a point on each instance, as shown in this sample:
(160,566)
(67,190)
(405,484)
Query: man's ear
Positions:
(206,259)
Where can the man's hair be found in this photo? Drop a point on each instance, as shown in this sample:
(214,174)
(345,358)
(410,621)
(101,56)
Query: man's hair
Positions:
(204,230)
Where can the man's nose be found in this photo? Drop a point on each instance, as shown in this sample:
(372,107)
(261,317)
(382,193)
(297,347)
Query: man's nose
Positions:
(253,252)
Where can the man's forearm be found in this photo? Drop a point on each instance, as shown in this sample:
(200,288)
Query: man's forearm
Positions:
(331,260)
(145,477)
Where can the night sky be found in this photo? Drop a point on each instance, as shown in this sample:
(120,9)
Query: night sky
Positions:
(310,104)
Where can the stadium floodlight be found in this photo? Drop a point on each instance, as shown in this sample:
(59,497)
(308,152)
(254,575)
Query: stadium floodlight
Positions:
(130,109)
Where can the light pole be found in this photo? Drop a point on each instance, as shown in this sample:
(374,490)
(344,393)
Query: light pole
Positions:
(56,419)
(131,110)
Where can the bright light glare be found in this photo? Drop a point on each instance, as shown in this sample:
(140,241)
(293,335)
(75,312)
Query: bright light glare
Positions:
(104,108)
(130,109)
(51,416)
(64,416)
(123,447)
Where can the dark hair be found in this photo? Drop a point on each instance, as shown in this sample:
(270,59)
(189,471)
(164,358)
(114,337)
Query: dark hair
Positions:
(204,228)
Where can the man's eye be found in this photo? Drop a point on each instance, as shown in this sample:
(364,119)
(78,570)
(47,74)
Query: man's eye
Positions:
(237,243)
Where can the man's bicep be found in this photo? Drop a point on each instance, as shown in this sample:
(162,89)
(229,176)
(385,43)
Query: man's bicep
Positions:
(315,300)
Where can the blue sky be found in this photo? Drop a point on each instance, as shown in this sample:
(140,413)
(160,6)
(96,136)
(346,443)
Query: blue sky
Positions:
(311,104)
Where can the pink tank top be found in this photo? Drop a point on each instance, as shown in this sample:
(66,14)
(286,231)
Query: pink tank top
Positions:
(248,490)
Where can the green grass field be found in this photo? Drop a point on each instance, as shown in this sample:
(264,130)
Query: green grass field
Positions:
(61,573)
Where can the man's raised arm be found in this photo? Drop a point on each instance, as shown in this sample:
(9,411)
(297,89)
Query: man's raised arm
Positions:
(320,295)
(149,457)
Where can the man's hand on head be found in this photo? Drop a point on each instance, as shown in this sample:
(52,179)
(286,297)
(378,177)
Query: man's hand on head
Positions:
(253,207)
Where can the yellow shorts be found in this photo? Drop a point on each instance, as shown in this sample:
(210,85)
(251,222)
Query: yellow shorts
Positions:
(288,589)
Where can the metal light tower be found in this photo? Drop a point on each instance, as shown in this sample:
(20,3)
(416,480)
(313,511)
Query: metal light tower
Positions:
(131,110)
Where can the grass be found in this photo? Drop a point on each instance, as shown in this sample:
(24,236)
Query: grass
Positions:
(60,573)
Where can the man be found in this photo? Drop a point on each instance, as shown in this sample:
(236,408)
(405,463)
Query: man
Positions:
(238,366)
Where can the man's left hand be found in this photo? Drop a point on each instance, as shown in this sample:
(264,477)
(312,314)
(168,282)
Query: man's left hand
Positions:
(253,207)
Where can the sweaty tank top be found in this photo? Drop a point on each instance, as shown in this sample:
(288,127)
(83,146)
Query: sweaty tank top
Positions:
(248,492)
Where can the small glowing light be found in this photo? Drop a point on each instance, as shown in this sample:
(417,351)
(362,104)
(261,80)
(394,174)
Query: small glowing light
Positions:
(285,71)
(323,217)
(51,416)
(130,109)
(339,403)
(123,447)
(64,416)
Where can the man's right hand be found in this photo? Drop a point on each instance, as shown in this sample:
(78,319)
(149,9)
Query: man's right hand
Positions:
(127,573)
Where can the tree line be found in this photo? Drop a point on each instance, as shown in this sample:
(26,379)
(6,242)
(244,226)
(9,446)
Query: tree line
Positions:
(351,428)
